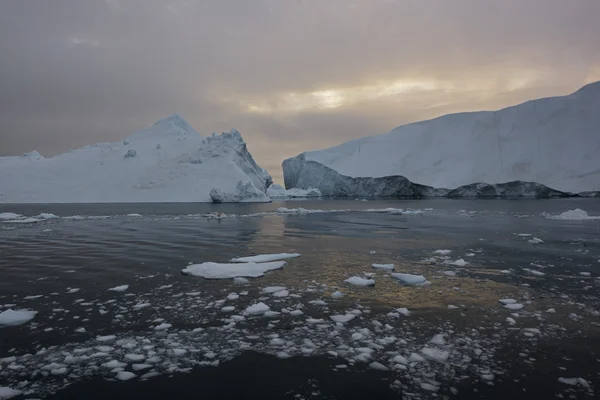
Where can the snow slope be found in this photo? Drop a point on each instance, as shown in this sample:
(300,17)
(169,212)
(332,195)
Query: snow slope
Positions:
(552,141)
(166,162)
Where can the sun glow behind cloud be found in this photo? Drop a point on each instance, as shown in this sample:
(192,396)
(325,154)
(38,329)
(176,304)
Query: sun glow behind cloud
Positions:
(333,98)
(399,91)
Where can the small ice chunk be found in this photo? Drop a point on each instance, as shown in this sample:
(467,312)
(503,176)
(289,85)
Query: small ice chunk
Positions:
(125,375)
(400,360)
(343,318)
(265,258)
(121,288)
(106,338)
(12,317)
(439,339)
(403,310)
(162,327)
(535,240)
(411,280)
(272,314)
(337,295)
(414,357)
(514,306)
(442,252)
(568,381)
(435,354)
(361,282)
(228,309)
(257,309)
(459,263)
(511,320)
(378,366)
(283,293)
(140,367)
(429,387)
(383,266)
(240,281)
(114,364)
(135,357)
(534,272)
(141,305)
(272,289)
(296,313)
(507,301)
(6,392)
(278,342)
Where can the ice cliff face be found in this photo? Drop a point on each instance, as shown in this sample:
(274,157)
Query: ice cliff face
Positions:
(166,162)
(554,142)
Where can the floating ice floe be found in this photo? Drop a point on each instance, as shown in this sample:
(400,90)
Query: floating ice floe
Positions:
(358,281)
(411,280)
(257,309)
(343,318)
(573,215)
(121,288)
(514,306)
(337,294)
(212,270)
(383,266)
(435,354)
(574,382)
(46,216)
(535,240)
(12,317)
(9,216)
(458,263)
(507,301)
(8,393)
(265,258)
(272,289)
(534,272)
(403,310)
(442,252)
(22,221)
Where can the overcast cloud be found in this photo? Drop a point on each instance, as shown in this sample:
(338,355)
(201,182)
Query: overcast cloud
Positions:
(290,75)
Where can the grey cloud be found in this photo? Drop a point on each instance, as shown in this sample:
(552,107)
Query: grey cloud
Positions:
(76,72)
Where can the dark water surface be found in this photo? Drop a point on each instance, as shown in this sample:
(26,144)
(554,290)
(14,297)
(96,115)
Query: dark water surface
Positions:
(72,261)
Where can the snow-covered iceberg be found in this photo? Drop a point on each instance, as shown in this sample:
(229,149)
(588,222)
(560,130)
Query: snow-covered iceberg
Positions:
(542,148)
(166,162)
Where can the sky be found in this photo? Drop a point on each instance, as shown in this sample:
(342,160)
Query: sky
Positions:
(290,75)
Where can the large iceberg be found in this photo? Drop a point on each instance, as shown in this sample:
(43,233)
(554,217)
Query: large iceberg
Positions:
(166,162)
(541,148)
